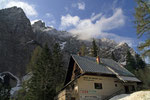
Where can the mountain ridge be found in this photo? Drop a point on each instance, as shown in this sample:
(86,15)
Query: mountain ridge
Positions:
(17,36)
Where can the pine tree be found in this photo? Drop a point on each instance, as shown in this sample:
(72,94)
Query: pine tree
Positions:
(139,62)
(58,65)
(41,84)
(94,50)
(142,16)
(130,62)
(23,93)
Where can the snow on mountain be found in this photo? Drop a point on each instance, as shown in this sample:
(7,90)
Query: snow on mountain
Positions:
(62,45)
(71,44)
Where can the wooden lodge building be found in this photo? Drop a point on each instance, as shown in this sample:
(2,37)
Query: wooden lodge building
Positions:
(91,78)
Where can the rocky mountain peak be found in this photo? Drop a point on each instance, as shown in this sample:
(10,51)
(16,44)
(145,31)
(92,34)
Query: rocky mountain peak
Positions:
(15,31)
(38,24)
(12,9)
(123,44)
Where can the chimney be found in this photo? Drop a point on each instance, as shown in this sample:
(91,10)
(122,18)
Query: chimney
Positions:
(98,60)
(79,53)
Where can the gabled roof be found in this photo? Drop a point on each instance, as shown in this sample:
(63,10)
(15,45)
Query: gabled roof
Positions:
(90,65)
(107,66)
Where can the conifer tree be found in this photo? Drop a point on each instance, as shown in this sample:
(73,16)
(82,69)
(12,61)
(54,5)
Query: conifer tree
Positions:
(41,84)
(58,66)
(130,62)
(139,62)
(23,93)
(94,50)
(142,21)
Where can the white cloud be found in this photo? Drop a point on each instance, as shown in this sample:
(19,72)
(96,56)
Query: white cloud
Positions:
(68,20)
(28,8)
(79,5)
(86,29)
(94,17)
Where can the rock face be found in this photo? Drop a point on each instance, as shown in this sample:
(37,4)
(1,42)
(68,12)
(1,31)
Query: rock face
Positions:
(71,44)
(15,31)
(17,37)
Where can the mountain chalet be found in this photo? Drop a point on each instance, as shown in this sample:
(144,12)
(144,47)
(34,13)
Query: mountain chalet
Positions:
(94,78)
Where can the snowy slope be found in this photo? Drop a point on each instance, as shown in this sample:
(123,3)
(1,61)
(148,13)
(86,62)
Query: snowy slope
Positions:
(140,95)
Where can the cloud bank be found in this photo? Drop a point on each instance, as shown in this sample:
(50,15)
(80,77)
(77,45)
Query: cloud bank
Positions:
(96,26)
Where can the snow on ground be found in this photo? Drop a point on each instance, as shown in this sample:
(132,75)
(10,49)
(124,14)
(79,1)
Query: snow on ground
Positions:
(2,77)
(17,87)
(140,95)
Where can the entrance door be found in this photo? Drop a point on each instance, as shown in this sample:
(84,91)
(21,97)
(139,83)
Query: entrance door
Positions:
(126,89)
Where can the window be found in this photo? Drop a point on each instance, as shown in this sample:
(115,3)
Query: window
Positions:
(98,85)
(115,85)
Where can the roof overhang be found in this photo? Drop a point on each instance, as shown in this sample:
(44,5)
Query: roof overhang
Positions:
(128,79)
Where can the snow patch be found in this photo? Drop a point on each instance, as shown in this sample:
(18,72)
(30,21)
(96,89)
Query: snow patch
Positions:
(27,77)
(140,95)
(62,45)
(48,29)
(123,63)
(15,89)
(121,43)
(2,77)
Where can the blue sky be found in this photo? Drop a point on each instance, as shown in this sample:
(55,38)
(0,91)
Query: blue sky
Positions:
(86,18)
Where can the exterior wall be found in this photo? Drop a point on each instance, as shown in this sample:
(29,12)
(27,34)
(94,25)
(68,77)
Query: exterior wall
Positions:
(86,86)
(70,92)
(84,89)
(62,95)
